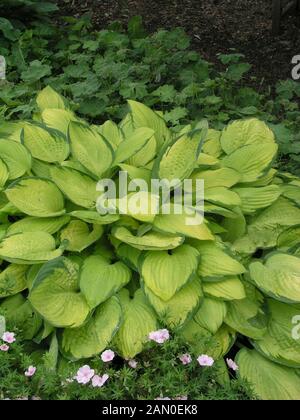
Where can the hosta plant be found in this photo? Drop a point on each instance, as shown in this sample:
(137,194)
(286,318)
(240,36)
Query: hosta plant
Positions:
(87,280)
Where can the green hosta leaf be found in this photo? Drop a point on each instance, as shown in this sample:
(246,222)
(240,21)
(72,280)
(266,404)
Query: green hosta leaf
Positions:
(129,255)
(29,248)
(45,145)
(111,132)
(99,279)
(4,174)
(246,316)
(212,145)
(180,158)
(141,205)
(92,338)
(165,273)
(13,280)
(229,289)
(79,236)
(90,148)
(34,224)
(254,199)
(279,344)
(289,238)
(79,188)
(138,321)
(36,197)
(149,241)
(145,155)
(94,217)
(292,192)
(136,173)
(142,116)
(133,144)
(207,160)
(269,224)
(16,157)
(270,381)
(48,98)
(251,161)
(222,196)
(215,262)
(242,133)
(55,294)
(58,119)
(177,224)
(211,314)
(223,177)
(174,312)
(19,312)
(279,277)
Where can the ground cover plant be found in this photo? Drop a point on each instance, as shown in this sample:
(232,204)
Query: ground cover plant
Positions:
(82,282)
(100,70)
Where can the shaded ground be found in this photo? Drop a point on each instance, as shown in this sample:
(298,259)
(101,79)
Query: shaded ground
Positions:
(214,26)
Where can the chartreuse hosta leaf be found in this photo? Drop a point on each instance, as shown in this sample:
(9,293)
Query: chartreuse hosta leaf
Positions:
(180,158)
(279,344)
(251,161)
(129,255)
(4,174)
(100,279)
(13,280)
(211,314)
(229,289)
(265,228)
(79,236)
(175,312)
(56,296)
(16,157)
(45,145)
(90,149)
(216,262)
(176,224)
(142,116)
(247,316)
(29,248)
(289,238)
(79,188)
(149,241)
(38,224)
(278,277)
(36,197)
(242,133)
(270,381)
(58,119)
(133,144)
(94,336)
(167,272)
(94,217)
(142,206)
(222,196)
(138,321)
(253,199)
(292,192)
(49,98)
(19,312)
(212,144)
(223,177)
(112,133)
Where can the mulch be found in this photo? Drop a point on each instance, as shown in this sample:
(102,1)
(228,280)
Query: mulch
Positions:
(215,26)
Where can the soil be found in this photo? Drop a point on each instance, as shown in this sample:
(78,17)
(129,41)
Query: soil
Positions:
(215,26)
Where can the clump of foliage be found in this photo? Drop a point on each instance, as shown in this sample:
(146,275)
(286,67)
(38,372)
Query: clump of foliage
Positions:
(100,70)
(91,280)
(159,373)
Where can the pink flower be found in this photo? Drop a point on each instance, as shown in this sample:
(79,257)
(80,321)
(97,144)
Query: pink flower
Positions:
(232,365)
(4,347)
(185,359)
(159,336)
(30,371)
(8,337)
(84,374)
(107,356)
(205,360)
(99,381)
(133,364)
